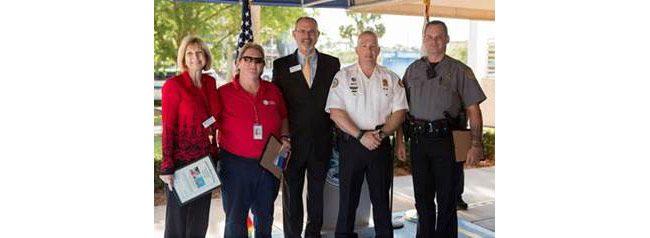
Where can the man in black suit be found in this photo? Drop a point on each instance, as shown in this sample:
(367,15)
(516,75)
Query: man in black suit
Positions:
(304,78)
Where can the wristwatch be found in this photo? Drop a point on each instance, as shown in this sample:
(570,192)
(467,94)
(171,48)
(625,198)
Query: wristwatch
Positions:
(382,135)
(361,132)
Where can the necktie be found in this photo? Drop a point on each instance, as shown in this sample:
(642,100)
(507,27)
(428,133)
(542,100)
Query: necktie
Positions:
(306,71)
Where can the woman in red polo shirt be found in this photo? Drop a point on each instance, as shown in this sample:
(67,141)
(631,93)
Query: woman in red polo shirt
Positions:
(253,110)
(190,106)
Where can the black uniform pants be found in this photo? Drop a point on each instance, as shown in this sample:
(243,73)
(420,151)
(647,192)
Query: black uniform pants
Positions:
(356,162)
(187,221)
(435,178)
(292,185)
(460,173)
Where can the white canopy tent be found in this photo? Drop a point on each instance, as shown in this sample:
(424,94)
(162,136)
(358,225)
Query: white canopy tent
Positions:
(463,9)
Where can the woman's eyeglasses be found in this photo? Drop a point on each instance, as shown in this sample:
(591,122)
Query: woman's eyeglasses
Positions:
(257,60)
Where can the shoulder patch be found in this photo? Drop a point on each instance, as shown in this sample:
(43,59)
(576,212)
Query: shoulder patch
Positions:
(469,74)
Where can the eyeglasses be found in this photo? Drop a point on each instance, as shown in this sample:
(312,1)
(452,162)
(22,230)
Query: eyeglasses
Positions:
(257,60)
(310,32)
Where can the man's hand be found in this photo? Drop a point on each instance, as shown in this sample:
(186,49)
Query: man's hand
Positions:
(474,155)
(370,140)
(169,180)
(400,150)
(378,134)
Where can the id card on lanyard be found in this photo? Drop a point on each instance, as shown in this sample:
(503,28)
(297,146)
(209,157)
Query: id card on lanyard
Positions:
(257,131)
(257,126)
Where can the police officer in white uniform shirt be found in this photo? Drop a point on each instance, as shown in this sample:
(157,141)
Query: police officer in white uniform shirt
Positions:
(367,102)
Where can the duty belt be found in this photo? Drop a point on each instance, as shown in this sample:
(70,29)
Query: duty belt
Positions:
(346,137)
(415,128)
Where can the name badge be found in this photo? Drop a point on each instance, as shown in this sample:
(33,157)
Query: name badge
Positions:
(208,122)
(257,131)
(295,68)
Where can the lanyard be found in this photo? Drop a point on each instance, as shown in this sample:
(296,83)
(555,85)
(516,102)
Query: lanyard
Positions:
(251,98)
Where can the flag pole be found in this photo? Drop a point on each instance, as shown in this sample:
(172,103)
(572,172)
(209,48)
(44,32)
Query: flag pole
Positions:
(426,13)
(256,17)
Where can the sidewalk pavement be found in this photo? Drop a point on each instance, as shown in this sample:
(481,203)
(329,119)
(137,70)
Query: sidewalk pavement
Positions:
(477,221)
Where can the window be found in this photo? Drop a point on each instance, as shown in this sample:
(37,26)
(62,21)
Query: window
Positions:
(491,60)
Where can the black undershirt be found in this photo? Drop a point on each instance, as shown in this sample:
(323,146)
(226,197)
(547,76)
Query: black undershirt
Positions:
(431,71)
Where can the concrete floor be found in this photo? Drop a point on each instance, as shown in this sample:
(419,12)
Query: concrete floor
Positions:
(477,221)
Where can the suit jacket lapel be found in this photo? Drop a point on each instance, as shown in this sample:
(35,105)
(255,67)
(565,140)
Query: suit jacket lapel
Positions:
(319,66)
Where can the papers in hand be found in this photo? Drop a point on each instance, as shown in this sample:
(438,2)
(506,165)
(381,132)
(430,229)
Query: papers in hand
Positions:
(195,179)
(462,143)
(275,157)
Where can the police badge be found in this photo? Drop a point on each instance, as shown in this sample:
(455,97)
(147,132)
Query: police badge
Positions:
(384,86)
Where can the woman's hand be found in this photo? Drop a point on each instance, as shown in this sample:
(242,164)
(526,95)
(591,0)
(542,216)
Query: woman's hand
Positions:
(168,179)
(286,143)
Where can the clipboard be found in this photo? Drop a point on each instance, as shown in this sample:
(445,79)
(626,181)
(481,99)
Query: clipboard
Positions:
(462,144)
(275,157)
(195,180)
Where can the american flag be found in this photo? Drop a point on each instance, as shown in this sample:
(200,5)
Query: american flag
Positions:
(246,34)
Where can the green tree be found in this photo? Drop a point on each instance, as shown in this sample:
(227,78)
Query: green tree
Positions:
(362,22)
(458,50)
(217,24)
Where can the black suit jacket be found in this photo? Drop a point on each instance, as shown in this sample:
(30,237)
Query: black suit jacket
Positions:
(308,121)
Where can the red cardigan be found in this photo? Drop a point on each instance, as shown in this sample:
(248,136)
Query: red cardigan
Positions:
(184,109)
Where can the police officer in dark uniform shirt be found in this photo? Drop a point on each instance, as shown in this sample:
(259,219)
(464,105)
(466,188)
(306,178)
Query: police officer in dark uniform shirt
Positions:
(367,102)
(438,89)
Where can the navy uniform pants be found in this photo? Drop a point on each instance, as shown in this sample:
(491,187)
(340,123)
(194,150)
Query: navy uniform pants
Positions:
(246,186)
(355,162)
(435,181)
(189,221)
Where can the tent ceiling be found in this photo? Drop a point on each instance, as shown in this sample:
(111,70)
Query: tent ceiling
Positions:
(464,9)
